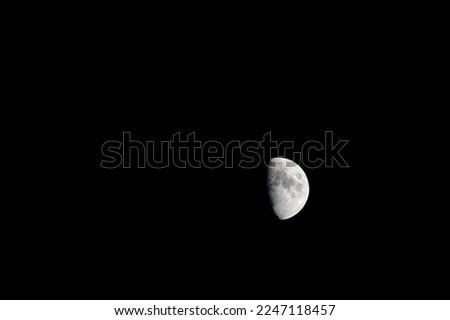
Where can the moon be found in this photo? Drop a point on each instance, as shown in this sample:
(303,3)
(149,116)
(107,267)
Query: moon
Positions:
(288,187)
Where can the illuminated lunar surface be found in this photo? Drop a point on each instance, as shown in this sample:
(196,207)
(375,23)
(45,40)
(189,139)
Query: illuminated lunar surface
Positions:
(288,187)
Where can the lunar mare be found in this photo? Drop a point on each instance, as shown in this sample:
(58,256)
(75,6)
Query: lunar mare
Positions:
(288,187)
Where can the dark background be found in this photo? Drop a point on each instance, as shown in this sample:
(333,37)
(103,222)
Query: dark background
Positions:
(92,233)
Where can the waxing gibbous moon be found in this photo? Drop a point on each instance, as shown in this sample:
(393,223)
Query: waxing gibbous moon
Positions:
(288,187)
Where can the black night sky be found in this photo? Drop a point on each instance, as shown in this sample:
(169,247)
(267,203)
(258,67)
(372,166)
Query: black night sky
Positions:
(173,233)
